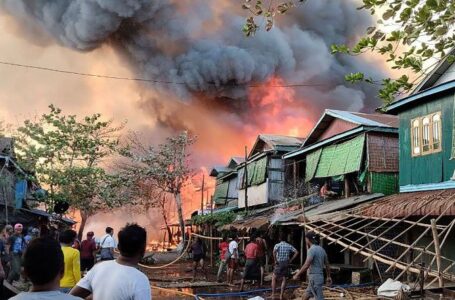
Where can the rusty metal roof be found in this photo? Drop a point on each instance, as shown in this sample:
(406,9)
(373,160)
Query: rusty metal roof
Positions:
(356,118)
(402,205)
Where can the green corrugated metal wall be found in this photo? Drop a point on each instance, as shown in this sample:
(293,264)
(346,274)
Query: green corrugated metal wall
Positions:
(341,158)
(257,172)
(312,161)
(260,171)
(431,168)
(385,183)
(221,191)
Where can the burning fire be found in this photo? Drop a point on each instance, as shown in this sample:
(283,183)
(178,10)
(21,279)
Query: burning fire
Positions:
(277,111)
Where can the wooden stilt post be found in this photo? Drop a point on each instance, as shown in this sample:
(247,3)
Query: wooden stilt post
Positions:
(211,246)
(246,180)
(437,249)
(202,195)
(302,244)
(347,191)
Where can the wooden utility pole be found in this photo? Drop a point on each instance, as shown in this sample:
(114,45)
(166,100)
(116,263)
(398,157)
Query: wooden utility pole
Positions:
(437,249)
(202,195)
(246,180)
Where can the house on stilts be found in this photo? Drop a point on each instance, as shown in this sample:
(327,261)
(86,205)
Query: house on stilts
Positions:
(405,235)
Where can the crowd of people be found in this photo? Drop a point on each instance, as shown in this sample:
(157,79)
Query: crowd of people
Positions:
(254,261)
(61,267)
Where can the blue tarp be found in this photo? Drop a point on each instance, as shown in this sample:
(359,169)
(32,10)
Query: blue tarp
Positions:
(21,192)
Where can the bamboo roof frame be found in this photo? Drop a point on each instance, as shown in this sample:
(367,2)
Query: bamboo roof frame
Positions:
(354,223)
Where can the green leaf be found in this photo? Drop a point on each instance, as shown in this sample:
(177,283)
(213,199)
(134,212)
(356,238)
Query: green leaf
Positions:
(388,14)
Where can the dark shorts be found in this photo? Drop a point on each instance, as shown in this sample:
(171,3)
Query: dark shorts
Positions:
(281,269)
(261,261)
(251,269)
(198,257)
(233,263)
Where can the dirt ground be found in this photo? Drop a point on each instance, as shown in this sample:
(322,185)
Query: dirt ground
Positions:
(182,272)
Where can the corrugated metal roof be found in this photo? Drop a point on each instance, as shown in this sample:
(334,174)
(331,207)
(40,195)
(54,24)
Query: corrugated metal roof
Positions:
(429,80)
(238,159)
(314,211)
(360,119)
(401,205)
(275,142)
(365,119)
(281,140)
(420,97)
(217,170)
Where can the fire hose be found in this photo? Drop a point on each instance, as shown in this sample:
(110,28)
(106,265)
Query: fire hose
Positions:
(183,252)
(176,292)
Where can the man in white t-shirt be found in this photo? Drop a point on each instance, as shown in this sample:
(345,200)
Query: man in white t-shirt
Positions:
(107,245)
(233,258)
(119,279)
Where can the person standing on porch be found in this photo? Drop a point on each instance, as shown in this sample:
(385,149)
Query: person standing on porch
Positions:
(282,257)
(314,266)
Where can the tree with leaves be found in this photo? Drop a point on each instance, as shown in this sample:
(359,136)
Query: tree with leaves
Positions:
(412,36)
(66,156)
(139,183)
(163,170)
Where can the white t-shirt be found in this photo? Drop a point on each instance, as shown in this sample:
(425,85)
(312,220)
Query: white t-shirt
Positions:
(107,241)
(233,246)
(113,281)
(49,295)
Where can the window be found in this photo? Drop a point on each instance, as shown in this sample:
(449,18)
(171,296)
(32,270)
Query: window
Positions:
(426,134)
(415,137)
(436,131)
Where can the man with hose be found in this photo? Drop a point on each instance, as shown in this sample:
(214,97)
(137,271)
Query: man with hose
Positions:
(314,265)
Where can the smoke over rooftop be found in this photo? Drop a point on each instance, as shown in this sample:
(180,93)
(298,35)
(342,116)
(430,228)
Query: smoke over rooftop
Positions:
(214,81)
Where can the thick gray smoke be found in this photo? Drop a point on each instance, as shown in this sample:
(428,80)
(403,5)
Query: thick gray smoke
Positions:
(198,44)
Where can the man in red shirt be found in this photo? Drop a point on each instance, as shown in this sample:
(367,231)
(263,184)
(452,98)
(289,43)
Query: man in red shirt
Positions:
(223,246)
(88,252)
(251,266)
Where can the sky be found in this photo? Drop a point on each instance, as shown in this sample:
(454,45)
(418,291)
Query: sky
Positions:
(193,42)
(25,93)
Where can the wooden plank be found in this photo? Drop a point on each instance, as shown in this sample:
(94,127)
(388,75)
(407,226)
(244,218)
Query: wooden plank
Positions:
(393,217)
(441,227)
(380,258)
(401,233)
(424,232)
(445,231)
(437,249)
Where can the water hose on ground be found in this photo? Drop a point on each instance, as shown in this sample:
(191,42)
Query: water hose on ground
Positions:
(176,292)
(246,293)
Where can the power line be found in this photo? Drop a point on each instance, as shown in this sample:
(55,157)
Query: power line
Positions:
(155,81)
